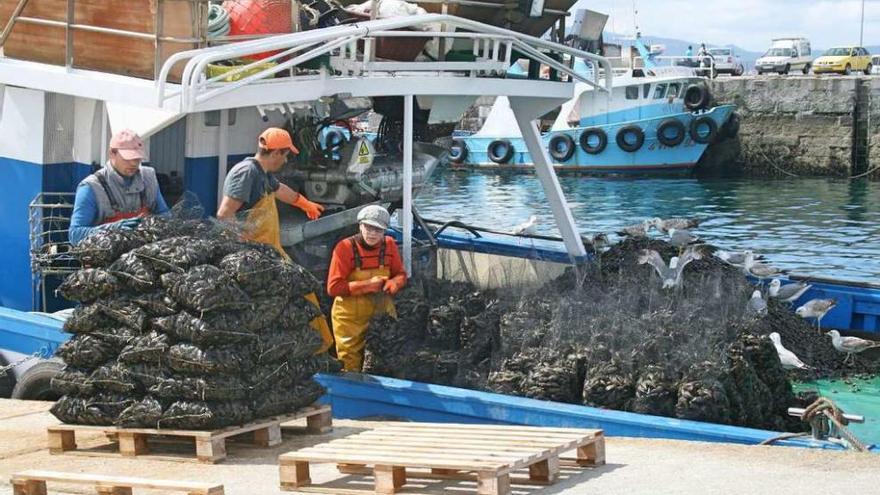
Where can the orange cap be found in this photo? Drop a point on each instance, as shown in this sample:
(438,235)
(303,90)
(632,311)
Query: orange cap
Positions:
(275,138)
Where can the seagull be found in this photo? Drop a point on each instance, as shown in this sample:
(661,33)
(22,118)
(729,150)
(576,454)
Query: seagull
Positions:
(757,304)
(735,258)
(598,241)
(527,228)
(787,293)
(788,359)
(851,345)
(760,270)
(816,308)
(675,223)
(637,230)
(671,274)
(681,238)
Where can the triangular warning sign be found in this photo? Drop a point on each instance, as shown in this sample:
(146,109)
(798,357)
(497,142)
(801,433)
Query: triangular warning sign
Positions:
(364,150)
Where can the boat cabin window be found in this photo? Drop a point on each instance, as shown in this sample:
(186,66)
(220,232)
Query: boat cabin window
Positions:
(659,91)
(646,90)
(212,118)
(674,89)
(632,92)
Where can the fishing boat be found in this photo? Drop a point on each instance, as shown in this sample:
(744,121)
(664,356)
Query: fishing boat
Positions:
(55,121)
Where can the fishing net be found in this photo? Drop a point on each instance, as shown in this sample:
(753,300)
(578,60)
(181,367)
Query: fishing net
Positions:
(200,415)
(156,304)
(149,375)
(274,346)
(117,337)
(135,274)
(218,328)
(258,273)
(281,400)
(190,359)
(72,381)
(88,319)
(176,254)
(114,378)
(151,348)
(88,284)
(144,413)
(79,410)
(204,288)
(124,312)
(104,246)
(86,351)
(206,388)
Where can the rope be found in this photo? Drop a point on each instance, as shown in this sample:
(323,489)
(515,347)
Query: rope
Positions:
(815,414)
(218,21)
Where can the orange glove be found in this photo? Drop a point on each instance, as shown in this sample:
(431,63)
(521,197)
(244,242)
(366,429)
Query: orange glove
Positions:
(371,286)
(393,285)
(313,210)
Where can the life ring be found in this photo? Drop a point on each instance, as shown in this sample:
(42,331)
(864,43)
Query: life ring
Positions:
(561,147)
(585,140)
(458,151)
(695,130)
(334,139)
(696,97)
(634,130)
(730,129)
(500,151)
(663,132)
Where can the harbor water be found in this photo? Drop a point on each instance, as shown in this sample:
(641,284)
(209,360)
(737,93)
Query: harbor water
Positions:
(816,226)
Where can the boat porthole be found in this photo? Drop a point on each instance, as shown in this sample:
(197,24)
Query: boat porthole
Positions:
(671,132)
(458,152)
(703,130)
(630,138)
(593,141)
(561,147)
(334,140)
(500,151)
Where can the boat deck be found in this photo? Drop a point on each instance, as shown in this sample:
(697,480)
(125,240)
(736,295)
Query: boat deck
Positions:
(633,466)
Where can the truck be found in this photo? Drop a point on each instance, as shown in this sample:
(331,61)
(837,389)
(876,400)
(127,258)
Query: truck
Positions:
(785,55)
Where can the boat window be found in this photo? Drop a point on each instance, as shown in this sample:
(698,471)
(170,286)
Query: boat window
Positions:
(674,89)
(646,90)
(659,91)
(632,92)
(212,118)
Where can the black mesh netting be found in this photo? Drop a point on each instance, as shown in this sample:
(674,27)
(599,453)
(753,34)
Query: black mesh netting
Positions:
(186,326)
(610,336)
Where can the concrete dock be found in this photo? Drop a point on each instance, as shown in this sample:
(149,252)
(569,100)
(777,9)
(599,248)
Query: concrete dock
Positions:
(635,466)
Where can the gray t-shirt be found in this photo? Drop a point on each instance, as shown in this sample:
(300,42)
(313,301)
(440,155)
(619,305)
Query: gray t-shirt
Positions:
(248,182)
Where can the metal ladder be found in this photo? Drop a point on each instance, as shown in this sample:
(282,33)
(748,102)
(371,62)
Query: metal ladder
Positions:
(861,126)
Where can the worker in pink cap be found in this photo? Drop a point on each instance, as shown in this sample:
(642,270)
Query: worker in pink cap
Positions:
(119,194)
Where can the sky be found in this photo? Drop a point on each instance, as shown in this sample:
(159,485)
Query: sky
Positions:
(749,24)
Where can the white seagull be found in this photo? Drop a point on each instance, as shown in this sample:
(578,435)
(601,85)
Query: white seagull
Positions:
(671,274)
(788,359)
(816,308)
(527,228)
(787,293)
(665,225)
(757,304)
(681,238)
(851,345)
(735,258)
(760,270)
(637,230)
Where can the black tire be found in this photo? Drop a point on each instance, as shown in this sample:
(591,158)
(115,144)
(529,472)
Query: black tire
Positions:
(35,384)
(584,140)
(625,145)
(561,147)
(667,125)
(730,129)
(847,70)
(334,140)
(760,73)
(696,97)
(458,151)
(500,151)
(695,127)
(7,380)
(806,69)
(786,70)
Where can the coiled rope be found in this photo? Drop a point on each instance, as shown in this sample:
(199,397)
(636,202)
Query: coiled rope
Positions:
(218,21)
(816,415)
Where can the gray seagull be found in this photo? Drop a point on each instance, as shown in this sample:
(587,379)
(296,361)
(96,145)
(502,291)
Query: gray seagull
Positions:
(788,293)
(665,225)
(757,304)
(816,308)
(670,274)
(760,270)
(851,345)
(637,230)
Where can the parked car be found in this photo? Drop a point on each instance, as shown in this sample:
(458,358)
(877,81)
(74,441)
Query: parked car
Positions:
(844,60)
(785,55)
(726,61)
(875,65)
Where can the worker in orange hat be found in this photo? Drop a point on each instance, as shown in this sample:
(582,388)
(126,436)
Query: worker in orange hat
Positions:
(249,194)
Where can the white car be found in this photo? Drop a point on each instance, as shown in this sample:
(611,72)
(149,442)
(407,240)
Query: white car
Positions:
(786,55)
(726,61)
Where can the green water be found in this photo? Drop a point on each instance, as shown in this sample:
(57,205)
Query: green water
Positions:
(854,397)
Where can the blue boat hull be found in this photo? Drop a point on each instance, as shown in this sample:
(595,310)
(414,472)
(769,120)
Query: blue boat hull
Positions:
(651,156)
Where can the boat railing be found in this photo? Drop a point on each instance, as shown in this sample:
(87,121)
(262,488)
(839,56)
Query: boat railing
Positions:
(701,65)
(48,223)
(350,51)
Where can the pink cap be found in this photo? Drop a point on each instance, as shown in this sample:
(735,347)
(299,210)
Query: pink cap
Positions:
(129,145)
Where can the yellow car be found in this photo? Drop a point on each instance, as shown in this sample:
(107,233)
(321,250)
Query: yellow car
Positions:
(843,60)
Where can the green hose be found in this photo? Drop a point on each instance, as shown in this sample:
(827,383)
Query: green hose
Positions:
(218,21)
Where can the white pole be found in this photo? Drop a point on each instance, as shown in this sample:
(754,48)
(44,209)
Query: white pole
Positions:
(862,30)
(544,170)
(222,151)
(407,182)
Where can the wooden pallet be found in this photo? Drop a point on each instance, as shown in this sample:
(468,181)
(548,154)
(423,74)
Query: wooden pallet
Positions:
(487,453)
(210,445)
(34,483)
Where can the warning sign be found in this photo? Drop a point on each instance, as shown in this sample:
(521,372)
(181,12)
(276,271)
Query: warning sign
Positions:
(364,150)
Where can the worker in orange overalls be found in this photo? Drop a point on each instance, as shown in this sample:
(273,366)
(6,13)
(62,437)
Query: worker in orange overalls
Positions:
(365,271)
(250,190)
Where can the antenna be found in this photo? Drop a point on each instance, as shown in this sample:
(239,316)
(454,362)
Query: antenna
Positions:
(635,19)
